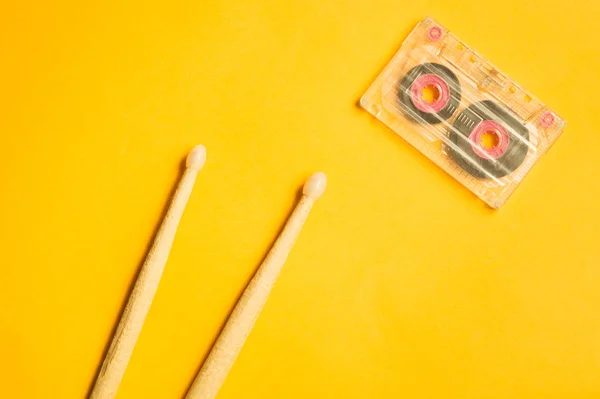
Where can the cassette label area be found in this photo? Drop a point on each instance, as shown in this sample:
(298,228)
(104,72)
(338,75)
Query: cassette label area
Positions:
(462,112)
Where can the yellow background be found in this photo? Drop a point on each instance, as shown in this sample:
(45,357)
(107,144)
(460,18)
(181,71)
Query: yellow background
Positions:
(402,284)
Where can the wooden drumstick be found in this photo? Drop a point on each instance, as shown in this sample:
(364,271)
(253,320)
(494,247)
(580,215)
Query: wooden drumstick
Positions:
(244,315)
(131,322)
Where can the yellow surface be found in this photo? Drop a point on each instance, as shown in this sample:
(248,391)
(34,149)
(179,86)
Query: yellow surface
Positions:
(402,284)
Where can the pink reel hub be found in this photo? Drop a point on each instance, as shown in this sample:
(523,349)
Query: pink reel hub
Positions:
(425,81)
(494,128)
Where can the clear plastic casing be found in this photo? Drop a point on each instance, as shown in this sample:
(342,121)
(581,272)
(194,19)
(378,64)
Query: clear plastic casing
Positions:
(462,112)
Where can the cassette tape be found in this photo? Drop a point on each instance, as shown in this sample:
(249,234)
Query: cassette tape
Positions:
(462,112)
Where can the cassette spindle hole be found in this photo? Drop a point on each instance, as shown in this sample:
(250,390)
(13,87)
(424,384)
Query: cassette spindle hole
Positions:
(490,140)
(431,93)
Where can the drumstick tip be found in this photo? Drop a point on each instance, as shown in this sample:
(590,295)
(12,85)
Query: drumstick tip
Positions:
(315,186)
(196,158)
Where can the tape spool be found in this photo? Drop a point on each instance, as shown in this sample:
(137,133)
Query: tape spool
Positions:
(443,82)
(508,151)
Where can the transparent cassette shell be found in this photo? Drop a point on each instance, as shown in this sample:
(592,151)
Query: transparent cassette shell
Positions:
(463,113)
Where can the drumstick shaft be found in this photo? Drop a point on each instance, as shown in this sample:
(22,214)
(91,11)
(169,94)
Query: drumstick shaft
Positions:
(244,315)
(139,302)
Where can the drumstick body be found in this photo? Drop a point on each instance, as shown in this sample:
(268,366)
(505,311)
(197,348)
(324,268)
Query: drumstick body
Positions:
(244,315)
(139,302)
